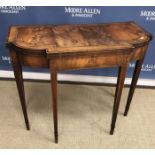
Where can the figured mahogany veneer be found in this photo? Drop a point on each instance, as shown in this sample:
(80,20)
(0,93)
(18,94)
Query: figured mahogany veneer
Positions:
(67,47)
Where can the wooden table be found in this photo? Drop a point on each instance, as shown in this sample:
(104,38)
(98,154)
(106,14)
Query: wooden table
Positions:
(70,47)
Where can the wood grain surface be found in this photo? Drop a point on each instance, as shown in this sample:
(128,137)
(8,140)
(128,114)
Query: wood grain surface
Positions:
(78,38)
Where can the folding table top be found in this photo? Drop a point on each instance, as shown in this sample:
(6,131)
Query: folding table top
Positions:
(60,39)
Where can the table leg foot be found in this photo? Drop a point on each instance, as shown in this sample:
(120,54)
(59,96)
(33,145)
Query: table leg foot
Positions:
(112,130)
(56,138)
(28,126)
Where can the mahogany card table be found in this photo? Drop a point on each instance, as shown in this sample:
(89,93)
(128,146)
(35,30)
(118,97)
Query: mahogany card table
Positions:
(72,47)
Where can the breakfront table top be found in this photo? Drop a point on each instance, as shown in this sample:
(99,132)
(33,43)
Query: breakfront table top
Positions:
(61,39)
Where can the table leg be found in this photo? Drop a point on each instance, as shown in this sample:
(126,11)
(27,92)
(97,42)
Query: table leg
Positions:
(20,86)
(118,92)
(133,84)
(54,98)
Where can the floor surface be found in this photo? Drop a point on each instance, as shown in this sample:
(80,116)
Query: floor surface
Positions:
(84,117)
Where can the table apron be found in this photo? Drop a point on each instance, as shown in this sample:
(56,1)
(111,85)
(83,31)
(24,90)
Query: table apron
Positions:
(82,62)
(138,53)
(69,62)
(34,61)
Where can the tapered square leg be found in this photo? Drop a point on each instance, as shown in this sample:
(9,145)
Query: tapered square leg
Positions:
(17,68)
(54,99)
(118,93)
(133,84)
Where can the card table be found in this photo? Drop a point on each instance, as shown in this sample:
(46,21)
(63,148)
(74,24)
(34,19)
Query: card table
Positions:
(73,47)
